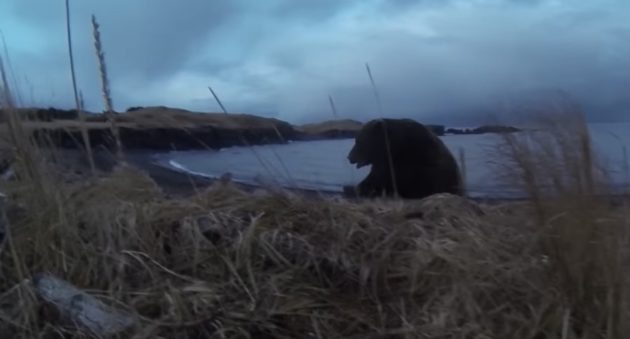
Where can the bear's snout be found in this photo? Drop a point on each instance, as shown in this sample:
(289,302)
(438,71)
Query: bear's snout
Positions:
(355,158)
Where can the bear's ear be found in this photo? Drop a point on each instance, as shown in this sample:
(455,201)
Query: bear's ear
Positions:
(378,129)
(378,124)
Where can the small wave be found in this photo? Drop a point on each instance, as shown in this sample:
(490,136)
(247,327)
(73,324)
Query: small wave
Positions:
(179,167)
(262,180)
(183,168)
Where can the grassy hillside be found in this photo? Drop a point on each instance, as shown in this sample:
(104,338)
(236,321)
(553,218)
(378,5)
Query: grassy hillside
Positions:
(159,116)
(323,127)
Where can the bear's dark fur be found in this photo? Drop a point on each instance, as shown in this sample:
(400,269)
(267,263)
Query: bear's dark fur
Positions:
(422,163)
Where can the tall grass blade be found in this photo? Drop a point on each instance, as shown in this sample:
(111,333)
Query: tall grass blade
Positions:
(387,140)
(107,99)
(84,132)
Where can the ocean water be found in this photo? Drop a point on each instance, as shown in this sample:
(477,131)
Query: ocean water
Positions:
(322,165)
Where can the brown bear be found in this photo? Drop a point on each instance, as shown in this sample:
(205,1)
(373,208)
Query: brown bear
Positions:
(422,164)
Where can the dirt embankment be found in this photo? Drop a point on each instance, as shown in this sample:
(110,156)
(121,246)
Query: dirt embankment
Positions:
(162,128)
(331,129)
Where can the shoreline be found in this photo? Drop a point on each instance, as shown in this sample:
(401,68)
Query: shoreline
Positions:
(176,182)
(179,182)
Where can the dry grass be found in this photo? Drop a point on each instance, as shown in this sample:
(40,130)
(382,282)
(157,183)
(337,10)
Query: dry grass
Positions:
(107,98)
(585,238)
(78,100)
(225,262)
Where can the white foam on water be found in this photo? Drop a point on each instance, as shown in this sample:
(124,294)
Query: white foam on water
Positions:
(183,168)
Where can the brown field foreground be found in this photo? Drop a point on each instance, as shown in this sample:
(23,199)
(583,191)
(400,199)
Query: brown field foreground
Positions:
(229,264)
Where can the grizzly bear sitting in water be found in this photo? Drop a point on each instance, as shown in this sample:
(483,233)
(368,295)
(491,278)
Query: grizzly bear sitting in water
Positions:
(422,165)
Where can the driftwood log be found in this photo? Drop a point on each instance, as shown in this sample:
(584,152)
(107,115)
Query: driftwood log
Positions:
(80,308)
(4,222)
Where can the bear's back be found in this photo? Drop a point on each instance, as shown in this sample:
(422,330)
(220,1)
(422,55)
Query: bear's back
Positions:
(426,165)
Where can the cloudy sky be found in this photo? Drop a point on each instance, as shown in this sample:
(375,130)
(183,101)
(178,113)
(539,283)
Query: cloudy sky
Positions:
(433,60)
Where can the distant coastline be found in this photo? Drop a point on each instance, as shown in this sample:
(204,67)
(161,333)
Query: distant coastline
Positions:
(163,129)
(149,134)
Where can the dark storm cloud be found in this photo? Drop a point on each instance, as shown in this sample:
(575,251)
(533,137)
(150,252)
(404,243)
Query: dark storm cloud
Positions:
(147,38)
(432,60)
(311,10)
(481,59)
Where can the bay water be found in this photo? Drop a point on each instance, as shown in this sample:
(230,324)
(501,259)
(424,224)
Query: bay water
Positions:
(323,165)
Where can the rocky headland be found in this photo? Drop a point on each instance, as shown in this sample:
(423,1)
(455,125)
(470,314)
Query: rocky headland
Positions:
(483,130)
(165,129)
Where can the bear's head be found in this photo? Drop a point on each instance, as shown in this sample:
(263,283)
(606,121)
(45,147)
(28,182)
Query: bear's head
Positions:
(370,146)
(409,141)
